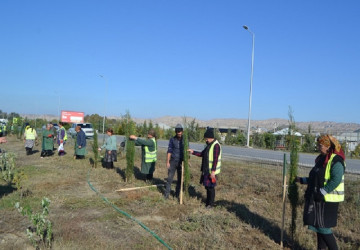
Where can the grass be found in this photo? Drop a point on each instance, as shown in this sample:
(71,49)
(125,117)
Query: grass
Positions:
(247,213)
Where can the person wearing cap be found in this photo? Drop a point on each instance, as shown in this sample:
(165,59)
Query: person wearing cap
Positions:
(174,159)
(149,153)
(325,190)
(210,165)
(30,136)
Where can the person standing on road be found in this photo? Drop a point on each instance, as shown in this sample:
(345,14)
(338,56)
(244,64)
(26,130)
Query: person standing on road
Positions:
(110,149)
(47,142)
(174,159)
(80,146)
(30,136)
(61,139)
(210,165)
(325,190)
(149,153)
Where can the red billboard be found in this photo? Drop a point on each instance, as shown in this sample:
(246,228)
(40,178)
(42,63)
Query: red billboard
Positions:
(72,116)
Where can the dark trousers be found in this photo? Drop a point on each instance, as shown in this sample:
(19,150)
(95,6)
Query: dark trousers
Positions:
(175,166)
(210,196)
(326,240)
(28,151)
(80,156)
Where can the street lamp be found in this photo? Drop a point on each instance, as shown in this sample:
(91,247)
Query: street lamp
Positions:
(251,82)
(104,103)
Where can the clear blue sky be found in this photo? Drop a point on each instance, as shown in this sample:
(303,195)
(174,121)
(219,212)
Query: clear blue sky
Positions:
(192,58)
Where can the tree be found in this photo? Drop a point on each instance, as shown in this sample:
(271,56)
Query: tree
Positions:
(130,147)
(269,139)
(294,159)
(258,140)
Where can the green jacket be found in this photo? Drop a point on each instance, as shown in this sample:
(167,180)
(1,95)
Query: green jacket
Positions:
(146,167)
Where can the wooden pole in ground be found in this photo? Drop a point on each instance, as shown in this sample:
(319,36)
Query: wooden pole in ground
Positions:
(182,183)
(283,202)
(136,188)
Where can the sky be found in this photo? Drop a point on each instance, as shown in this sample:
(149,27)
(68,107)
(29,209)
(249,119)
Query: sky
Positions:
(155,58)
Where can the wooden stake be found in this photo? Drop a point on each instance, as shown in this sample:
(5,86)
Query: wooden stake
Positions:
(283,212)
(182,181)
(136,188)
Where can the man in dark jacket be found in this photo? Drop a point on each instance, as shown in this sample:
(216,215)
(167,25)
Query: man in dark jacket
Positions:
(174,159)
(80,147)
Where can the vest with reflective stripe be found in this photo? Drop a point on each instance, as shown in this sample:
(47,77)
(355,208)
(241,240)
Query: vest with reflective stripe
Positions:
(65,134)
(211,158)
(30,133)
(150,156)
(338,194)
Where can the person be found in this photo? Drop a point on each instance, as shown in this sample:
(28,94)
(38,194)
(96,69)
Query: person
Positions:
(61,139)
(110,149)
(149,153)
(80,144)
(325,190)
(47,142)
(174,159)
(210,165)
(1,130)
(52,128)
(30,136)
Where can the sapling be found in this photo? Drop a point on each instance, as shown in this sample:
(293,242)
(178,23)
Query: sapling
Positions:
(42,230)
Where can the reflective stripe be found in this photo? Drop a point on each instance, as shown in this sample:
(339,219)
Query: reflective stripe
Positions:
(211,158)
(338,194)
(150,156)
(65,134)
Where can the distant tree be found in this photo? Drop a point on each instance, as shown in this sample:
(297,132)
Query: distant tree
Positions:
(258,140)
(269,139)
(229,138)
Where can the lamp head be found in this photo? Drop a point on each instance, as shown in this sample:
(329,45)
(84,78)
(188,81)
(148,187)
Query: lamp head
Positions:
(245,27)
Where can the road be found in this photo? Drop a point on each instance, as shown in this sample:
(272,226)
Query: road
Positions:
(306,160)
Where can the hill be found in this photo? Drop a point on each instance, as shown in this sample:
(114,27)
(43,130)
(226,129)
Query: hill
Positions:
(269,124)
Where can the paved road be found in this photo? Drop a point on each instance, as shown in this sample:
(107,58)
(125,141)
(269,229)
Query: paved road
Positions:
(307,160)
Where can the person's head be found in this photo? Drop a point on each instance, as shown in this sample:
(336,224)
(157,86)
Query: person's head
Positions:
(110,131)
(327,143)
(209,135)
(48,126)
(179,130)
(151,133)
(77,128)
(61,124)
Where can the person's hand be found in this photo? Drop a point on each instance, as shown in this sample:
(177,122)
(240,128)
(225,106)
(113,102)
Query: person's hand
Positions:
(132,137)
(79,146)
(99,149)
(168,164)
(191,151)
(109,151)
(213,174)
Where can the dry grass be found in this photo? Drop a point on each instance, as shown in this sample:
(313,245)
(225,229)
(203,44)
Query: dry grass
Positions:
(247,213)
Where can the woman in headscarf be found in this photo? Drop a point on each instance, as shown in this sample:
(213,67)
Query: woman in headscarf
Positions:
(30,136)
(47,145)
(110,149)
(149,153)
(325,191)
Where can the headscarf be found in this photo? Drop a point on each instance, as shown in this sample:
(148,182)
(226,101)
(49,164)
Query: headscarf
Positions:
(334,147)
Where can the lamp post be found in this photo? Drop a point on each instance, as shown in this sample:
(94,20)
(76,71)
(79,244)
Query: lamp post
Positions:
(251,82)
(104,103)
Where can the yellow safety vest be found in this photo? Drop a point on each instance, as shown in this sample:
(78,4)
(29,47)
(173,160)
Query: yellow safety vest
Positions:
(150,156)
(211,158)
(30,133)
(338,194)
(65,135)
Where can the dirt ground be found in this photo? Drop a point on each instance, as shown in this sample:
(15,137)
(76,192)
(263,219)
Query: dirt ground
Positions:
(88,213)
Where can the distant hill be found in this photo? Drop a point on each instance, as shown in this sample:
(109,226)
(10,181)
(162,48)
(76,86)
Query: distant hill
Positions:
(269,124)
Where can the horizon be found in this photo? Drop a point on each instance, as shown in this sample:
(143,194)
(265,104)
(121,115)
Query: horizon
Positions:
(188,58)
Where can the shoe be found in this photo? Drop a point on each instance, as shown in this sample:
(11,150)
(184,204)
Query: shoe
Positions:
(208,207)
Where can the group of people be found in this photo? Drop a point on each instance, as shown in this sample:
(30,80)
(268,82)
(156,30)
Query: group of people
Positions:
(210,166)
(325,183)
(50,136)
